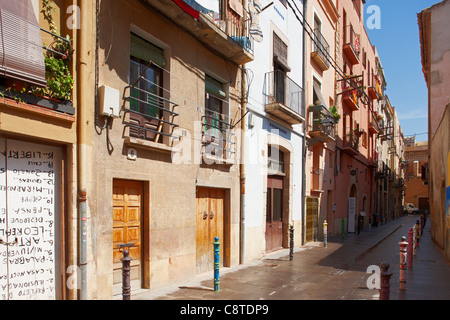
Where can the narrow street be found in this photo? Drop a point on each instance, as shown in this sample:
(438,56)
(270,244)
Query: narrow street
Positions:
(338,272)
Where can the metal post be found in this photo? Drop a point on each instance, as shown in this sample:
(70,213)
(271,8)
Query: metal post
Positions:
(414,239)
(403,263)
(126,261)
(410,248)
(385,279)
(417,234)
(325,233)
(291,243)
(216,244)
(343,229)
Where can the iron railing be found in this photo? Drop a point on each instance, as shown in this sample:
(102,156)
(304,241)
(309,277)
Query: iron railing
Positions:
(321,46)
(321,119)
(235,26)
(150,115)
(279,88)
(352,39)
(218,138)
(351,140)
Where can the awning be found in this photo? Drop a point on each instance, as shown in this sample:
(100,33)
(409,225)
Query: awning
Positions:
(318,93)
(21,53)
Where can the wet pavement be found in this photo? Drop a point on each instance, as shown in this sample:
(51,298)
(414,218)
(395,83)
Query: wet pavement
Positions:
(337,272)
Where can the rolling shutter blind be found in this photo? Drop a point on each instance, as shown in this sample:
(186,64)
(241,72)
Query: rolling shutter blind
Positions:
(141,49)
(21,55)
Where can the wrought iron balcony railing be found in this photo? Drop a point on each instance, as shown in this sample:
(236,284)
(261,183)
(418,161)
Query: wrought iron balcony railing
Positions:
(279,89)
(320,50)
(321,122)
(351,45)
(150,115)
(218,138)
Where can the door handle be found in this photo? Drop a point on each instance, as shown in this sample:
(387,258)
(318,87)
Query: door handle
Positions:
(205,215)
(211,215)
(8,243)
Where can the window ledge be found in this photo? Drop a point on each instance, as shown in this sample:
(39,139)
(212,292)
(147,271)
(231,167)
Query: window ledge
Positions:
(149,145)
(209,159)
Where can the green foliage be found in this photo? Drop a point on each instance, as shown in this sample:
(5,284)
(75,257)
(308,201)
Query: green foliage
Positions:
(335,113)
(59,79)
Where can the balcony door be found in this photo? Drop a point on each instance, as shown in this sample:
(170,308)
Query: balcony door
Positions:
(274,213)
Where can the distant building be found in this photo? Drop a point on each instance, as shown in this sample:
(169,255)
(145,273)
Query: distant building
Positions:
(416,159)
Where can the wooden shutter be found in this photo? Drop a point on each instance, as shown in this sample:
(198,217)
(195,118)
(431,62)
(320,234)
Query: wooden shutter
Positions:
(21,55)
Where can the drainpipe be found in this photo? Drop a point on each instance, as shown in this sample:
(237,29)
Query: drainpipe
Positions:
(84,55)
(242,165)
(305,7)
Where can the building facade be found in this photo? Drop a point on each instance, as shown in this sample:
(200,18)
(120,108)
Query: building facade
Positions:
(435,62)
(38,136)
(274,136)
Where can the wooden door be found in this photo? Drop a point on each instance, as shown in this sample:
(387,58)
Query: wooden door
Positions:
(312,214)
(127,228)
(274,214)
(209,223)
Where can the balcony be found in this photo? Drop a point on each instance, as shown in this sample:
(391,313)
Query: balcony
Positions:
(320,50)
(373,94)
(49,85)
(350,95)
(351,45)
(321,123)
(351,143)
(224,31)
(149,119)
(283,98)
(218,140)
(373,159)
(317,176)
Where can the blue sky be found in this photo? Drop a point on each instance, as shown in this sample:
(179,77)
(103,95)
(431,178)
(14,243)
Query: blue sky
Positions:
(398,45)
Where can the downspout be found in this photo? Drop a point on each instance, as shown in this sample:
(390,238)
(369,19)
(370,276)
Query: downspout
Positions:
(305,6)
(83,94)
(242,162)
(242,166)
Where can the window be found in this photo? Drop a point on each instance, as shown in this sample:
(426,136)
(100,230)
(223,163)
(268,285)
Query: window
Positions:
(146,102)
(215,121)
(21,55)
(275,161)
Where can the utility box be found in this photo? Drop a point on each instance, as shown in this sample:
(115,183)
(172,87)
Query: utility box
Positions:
(108,101)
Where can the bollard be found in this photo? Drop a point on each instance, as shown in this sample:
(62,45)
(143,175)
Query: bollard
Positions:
(126,261)
(410,248)
(216,244)
(403,263)
(414,239)
(325,233)
(385,279)
(343,229)
(417,234)
(291,243)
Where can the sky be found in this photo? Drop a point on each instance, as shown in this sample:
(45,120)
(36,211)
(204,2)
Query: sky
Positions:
(398,45)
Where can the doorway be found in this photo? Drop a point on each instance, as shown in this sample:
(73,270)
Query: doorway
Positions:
(274,213)
(209,224)
(127,229)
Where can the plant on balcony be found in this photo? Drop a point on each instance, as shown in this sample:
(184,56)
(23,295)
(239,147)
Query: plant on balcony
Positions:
(335,113)
(57,73)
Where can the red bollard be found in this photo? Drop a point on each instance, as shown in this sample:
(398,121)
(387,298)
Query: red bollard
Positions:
(410,247)
(385,285)
(403,263)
